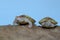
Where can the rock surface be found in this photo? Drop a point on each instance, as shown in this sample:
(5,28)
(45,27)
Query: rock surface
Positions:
(24,33)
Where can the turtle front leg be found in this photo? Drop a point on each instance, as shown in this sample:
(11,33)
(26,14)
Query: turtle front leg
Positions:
(30,23)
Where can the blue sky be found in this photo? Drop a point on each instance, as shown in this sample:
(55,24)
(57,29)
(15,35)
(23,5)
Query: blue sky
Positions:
(36,9)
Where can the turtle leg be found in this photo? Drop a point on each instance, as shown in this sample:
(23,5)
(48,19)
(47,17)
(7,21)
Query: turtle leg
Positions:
(30,23)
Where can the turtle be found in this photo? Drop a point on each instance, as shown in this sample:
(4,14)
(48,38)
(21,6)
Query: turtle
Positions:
(48,22)
(23,20)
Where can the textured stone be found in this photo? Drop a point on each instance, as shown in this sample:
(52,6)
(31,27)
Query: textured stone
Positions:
(12,32)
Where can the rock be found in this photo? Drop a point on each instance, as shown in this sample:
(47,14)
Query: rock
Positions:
(13,32)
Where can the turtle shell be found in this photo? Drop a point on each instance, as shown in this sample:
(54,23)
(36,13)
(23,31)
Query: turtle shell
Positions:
(46,19)
(29,18)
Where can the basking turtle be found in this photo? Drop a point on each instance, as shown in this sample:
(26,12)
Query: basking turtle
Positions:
(24,20)
(48,22)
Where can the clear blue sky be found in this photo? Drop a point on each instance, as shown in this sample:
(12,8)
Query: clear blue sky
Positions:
(37,9)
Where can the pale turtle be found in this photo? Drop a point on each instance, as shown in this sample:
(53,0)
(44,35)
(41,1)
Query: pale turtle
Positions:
(48,22)
(24,19)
